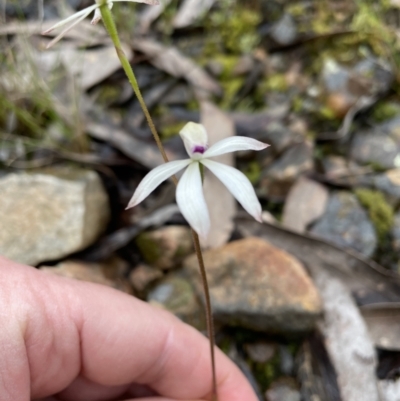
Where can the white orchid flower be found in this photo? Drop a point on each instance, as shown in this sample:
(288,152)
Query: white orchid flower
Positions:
(189,193)
(81,15)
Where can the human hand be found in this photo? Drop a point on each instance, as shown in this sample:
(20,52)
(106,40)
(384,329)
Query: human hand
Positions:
(70,340)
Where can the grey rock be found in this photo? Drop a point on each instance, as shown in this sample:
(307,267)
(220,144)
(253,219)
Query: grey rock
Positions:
(142,276)
(260,352)
(342,173)
(286,360)
(277,179)
(379,146)
(284,31)
(279,136)
(180,94)
(396,232)
(284,389)
(258,286)
(175,294)
(165,247)
(108,273)
(347,224)
(50,214)
(334,76)
(387,182)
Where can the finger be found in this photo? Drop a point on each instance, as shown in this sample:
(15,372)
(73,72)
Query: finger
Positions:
(85,390)
(74,328)
(82,389)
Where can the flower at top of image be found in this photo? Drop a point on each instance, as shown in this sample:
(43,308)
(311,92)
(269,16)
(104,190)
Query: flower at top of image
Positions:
(74,19)
(189,192)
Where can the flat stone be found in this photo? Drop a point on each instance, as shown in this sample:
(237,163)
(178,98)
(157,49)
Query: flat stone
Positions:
(277,179)
(142,276)
(165,247)
(258,286)
(346,224)
(304,204)
(379,146)
(284,389)
(387,182)
(261,351)
(50,214)
(176,294)
(396,232)
(99,273)
(284,31)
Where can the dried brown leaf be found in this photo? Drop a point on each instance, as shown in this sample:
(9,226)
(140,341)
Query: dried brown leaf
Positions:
(170,60)
(190,11)
(347,340)
(92,66)
(150,14)
(383,321)
(367,280)
(220,202)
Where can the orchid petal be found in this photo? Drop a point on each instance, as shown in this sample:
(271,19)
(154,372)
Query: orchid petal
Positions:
(194,137)
(97,13)
(86,11)
(60,36)
(238,185)
(233,144)
(191,202)
(150,2)
(154,178)
(96,17)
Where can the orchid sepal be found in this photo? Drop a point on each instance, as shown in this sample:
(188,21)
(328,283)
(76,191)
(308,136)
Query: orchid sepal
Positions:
(81,15)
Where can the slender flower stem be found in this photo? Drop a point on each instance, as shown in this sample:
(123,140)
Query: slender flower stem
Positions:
(209,318)
(112,31)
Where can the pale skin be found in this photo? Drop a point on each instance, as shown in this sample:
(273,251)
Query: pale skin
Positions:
(62,339)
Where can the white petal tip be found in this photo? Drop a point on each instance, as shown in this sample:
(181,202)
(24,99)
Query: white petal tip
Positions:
(95,20)
(46,31)
(131,204)
(259,218)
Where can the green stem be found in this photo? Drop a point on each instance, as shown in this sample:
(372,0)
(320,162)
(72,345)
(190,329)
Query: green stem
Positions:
(112,31)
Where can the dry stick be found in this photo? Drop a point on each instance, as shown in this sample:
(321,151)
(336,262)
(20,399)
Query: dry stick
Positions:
(112,31)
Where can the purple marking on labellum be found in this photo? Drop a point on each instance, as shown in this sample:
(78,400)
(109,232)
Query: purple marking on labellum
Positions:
(199,149)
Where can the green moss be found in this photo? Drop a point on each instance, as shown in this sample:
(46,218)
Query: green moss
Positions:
(231,88)
(328,113)
(148,248)
(385,110)
(193,105)
(108,94)
(380,212)
(228,64)
(266,373)
(296,9)
(275,82)
(297,104)
(236,25)
(253,172)
(171,130)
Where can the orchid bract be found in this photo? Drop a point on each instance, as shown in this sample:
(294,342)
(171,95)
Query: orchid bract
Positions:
(74,19)
(189,192)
